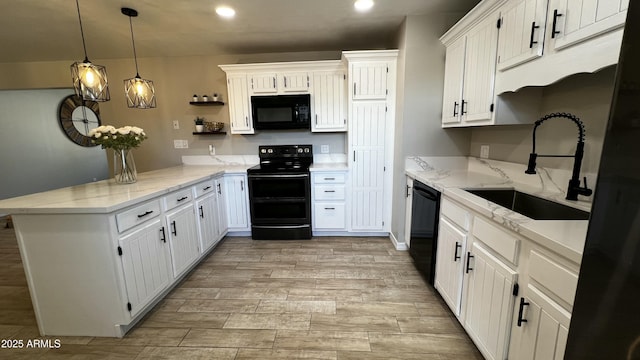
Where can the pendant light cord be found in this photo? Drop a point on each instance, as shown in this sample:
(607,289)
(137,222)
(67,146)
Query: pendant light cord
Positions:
(135,57)
(86,58)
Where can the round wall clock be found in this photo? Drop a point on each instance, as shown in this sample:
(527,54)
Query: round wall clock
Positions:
(77,117)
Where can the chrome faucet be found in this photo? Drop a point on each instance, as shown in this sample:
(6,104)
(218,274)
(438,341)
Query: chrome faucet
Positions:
(574,188)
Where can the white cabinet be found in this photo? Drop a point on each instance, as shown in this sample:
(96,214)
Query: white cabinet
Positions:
(328,196)
(237,201)
(541,327)
(408,207)
(239,105)
(369,80)
(207,210)
(489,302)
(281,82)
(146,264)
(450,262)
(295,82)
(574,21)
(469,73)
(263,83)
(329,101)
(522,32)
(183,238)
(221,203)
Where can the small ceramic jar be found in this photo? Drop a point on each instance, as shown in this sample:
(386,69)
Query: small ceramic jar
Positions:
(205,98)
(195,98)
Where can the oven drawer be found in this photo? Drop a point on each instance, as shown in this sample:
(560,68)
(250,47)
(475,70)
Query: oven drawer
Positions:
(329,178)
(329,192)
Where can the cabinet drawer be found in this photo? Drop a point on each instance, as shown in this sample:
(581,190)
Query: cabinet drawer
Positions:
(554,277)
(329,192)
(329,216)
(455,213)
(497,239)
(137,215)
(178,198)
(204,187)
(329,178)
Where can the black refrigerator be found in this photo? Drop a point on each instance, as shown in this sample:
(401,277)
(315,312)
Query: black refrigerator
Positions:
(605,322)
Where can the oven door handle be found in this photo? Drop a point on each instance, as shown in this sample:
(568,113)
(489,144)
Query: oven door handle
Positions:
(272,176)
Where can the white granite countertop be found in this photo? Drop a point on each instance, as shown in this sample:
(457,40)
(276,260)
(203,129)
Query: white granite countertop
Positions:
(565,237)
(106,196)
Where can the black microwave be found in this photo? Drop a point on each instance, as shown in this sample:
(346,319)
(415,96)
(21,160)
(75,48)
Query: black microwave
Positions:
(278,112)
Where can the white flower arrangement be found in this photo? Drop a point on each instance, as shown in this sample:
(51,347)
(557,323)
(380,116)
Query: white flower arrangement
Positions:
(124,138)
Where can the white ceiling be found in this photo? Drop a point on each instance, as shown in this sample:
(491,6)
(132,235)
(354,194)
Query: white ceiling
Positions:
(48,30)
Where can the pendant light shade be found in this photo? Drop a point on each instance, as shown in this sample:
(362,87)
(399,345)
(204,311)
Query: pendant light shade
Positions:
(89,80)
(140,93)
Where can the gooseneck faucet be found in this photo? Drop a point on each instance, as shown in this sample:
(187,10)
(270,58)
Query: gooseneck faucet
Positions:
(574,188)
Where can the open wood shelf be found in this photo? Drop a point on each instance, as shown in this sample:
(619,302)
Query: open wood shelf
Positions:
(210,133)
(207,103)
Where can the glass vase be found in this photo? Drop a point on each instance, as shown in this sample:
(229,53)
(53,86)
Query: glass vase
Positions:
(124,168)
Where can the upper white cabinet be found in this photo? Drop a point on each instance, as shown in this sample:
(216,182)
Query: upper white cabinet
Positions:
(469,72)
(239,104)
(329,101)
(295,82)
(522,32)
(371,78)
(543,41)
(271,83)
(263,83)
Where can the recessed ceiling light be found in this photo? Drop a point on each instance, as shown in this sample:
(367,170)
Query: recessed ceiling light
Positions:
(363,5)
(225,12)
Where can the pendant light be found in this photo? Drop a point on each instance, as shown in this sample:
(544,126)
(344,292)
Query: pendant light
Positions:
(89,80)
(140,93)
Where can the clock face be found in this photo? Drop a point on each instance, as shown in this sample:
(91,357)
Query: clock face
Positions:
(77,117)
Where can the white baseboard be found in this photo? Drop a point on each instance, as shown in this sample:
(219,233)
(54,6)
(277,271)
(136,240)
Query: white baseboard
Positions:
(399,245)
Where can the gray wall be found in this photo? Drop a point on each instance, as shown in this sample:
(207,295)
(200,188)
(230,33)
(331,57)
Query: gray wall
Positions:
(587,96)
(419,107)
(35,154)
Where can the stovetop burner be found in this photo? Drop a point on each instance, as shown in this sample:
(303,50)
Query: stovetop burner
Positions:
(283,158)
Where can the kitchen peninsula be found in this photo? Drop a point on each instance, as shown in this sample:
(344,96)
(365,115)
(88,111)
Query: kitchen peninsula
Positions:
(98,256)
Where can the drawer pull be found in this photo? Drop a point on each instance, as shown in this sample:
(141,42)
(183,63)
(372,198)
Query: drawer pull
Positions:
(145,214)
(164,236)
(456,257)
(174,231)
(206,188)
(469,257)
(329,179)
(182,198)
(329,208)
(521,311)
(330,191)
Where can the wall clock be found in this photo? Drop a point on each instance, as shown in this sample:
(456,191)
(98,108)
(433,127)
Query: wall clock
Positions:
(77,117)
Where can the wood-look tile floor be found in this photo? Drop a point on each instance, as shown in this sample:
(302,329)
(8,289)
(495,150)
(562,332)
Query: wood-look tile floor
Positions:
(326,298)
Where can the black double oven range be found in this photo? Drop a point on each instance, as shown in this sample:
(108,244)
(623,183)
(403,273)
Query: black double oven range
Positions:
(280,193)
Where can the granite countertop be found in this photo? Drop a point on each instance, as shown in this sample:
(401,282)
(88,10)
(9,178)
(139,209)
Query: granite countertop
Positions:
(565,237)
(106,196)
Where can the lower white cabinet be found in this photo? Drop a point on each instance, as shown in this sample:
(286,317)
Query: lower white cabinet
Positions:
(237,200)
(489,302)
(328,196)
(221,203)
(541,328)
(207,215)
(450,261)
(183,238)
(146,264)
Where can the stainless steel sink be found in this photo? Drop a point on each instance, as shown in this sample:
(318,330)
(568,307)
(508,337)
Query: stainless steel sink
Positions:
(530,206)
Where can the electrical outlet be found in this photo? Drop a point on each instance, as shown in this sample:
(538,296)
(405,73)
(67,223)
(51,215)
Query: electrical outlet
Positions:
(176,125)
(180,144)
(484,151)
(185,144)
(324,149)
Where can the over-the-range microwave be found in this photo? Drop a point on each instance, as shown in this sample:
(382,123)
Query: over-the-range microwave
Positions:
(278,112)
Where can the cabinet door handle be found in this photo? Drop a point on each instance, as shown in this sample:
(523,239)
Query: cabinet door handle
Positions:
(456,257)
(182,198)
(285,82)
(533,30)
(206,188)
(241,185)
(246,120)
(455,108)
(174,231)
(316,119)
(163,237)
(145,214)
(219,189)
(462,107)
(469,257)
(354,156)
(521,311)
(201,212)
(407,190)
(329,208)
(556,15)
(330,191)
(329,178)
(354,89)
(274,83)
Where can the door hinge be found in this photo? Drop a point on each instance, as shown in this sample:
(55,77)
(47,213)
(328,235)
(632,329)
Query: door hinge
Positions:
(499,23)
(129,306)
(516,289)
(491,108)
(119,251)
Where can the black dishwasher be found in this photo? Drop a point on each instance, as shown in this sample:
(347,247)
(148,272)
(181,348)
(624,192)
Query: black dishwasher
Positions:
(425,209)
